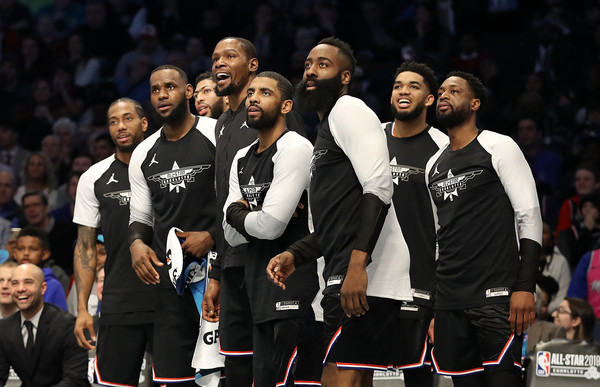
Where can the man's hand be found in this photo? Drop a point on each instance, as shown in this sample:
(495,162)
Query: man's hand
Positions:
(280,267)
(522,311)
(354,289)
(142,258)
(197,243)
(430,330)
(84,322)
(211,303)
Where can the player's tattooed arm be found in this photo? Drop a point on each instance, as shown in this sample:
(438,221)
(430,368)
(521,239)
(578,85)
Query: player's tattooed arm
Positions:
(84,263)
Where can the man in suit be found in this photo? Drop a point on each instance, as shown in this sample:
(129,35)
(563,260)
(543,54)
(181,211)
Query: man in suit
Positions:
(38,342)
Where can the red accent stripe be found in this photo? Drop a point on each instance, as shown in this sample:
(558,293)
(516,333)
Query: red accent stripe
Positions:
(362,366)
(234,353)
(289,368)
(176,380)
(503,353)
(103,382)
(421,360)
(455,373)
(331,342)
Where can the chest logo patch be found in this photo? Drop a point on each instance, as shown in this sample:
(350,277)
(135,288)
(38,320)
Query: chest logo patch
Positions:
(122,196)
(177,177)
(450,186)
(254,193)
(402,172)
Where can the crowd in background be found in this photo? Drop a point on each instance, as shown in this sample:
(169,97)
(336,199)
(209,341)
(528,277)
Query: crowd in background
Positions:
(63,61)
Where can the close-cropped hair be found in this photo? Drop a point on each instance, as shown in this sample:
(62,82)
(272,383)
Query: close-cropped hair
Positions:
(474,83)
(181,73)
(247,46)
(285,87)
(344,49)
(423,70)
(136,105)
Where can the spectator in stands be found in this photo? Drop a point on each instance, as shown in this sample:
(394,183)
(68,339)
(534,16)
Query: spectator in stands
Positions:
(554,275)
(33,247)
(62,235)
(9,209)
(577,317)
(11,153)
(582,236)
(7,304)
(587,181)
(37,175)
(585,284)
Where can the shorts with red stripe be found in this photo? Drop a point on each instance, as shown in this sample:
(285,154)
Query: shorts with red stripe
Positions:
(415,349)
(474,340)
(120,352)
(287,352)
(235,323)
(176,331)
(369,342)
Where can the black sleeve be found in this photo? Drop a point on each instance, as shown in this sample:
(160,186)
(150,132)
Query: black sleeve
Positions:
(372,216)
(236,215)
(528,269)
(141,231)
(305,250)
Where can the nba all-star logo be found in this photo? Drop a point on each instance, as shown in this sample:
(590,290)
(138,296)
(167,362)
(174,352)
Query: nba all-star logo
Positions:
(450,186)
(254,193)
(177,177)
(402,172)
(122,196)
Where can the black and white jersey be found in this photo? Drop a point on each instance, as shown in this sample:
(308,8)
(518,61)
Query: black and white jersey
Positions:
(102,201)
(173,184)
(479,192)
(232,134)
(273,182)
(408,158)
(350,159)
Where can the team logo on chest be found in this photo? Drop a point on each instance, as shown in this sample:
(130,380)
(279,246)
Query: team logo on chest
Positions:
(122,196)
(402,172)
(450,186)
(254,193)
(177,177)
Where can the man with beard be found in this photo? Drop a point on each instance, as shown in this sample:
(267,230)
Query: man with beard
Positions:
(411,142)
(489,231)
(206,100)
(127,309)
(172,185)
(235,65)
(267,181)
(366,258)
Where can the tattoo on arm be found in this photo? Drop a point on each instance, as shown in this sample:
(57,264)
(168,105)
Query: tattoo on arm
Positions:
(85,257)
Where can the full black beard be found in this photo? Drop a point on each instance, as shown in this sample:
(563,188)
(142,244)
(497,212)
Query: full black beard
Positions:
(177,115)
(408,116)
(217,109)
(323,98)
(266,120)
(453,118)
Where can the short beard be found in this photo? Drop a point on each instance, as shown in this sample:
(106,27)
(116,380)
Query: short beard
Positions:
(322,98)
(454,118)
(177,115)
(129,148)
(265,121)
(226,91)
(217,109)
(409,115)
